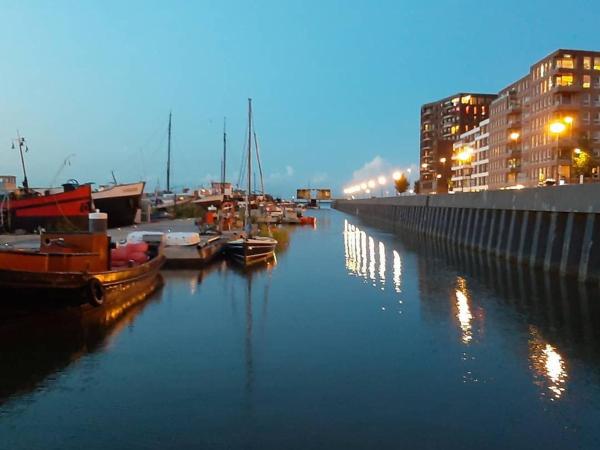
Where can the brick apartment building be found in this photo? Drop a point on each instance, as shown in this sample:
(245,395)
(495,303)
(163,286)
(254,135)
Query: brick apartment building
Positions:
(542,121)
(470,160)
(442,122)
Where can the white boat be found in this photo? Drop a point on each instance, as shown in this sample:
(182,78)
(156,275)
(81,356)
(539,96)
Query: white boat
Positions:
(120,201)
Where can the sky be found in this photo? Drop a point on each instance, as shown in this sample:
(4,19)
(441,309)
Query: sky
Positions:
(336,85)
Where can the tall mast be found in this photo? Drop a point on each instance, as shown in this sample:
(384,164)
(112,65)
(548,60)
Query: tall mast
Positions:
(247,215)
(224,177)
(169,157)
(262,182)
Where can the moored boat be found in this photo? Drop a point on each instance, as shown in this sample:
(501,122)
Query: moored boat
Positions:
(250,249)
(77,269)
(120,201)
(69,209)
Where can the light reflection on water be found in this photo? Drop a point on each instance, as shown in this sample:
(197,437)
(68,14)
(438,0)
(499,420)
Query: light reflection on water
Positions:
(366,259)
(549,366)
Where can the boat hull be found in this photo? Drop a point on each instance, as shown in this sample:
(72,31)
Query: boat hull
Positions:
(120,203)
(249,252)
(65,210)
(59,289)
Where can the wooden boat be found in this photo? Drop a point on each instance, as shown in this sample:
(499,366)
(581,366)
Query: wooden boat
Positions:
(121,202)
(249,249)
(75,269)
(65,210)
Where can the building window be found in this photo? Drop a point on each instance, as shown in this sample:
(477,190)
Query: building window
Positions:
(564,80)
(585,99)
(587,81)
(596,63)
(587,62)
(566,62)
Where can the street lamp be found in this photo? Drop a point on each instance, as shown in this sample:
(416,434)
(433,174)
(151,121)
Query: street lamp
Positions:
(396,175)
(558,128)
(381,181)
(463,157)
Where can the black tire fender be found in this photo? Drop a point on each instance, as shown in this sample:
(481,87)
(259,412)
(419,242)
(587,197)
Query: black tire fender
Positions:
(95,292)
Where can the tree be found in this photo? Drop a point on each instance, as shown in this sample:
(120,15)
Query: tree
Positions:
(583,159)
(401,184)
(417,187)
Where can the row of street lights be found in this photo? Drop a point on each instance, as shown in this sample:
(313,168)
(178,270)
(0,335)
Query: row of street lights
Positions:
(368,186)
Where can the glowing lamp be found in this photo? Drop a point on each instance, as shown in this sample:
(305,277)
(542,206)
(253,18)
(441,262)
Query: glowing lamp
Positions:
(396,175)
(381,180)
(557,127)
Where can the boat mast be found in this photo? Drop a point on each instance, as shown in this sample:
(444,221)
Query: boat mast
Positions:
(247,214)
(224,175)
(21,144)
(169,157)
(262,183)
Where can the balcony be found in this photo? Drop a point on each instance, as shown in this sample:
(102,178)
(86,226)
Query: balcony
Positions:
(566,88)
(514,106)
(514,123)
(514,168)
(514,152)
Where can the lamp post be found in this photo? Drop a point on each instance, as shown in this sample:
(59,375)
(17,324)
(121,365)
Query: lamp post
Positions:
(463,157)
(557,128)
(381,181)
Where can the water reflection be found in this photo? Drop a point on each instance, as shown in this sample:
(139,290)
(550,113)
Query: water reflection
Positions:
(559,315)
(248,274)
(35,347)
(463,310)
(367,258)
(548,366)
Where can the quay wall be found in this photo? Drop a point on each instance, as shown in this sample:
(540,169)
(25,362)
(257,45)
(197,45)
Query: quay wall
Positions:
(556,228)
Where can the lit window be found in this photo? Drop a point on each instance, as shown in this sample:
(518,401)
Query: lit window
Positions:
(465,100)
(596,63)
(564,80)
(566,62)
(587,62)
(587,81)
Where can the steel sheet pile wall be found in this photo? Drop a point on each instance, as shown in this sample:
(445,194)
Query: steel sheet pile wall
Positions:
(554,228)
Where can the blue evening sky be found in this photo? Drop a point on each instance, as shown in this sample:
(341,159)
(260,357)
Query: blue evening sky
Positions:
(337,85)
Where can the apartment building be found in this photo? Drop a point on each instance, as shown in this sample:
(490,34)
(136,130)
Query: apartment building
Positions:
(470,160)
(442,123)
(543,121)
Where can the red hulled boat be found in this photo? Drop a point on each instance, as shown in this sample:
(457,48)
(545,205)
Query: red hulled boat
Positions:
(64,210)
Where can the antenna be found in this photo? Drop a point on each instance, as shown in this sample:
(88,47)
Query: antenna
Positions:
(21,143)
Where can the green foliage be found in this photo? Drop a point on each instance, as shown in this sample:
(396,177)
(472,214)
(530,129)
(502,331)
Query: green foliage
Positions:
(188,211)
(280,234)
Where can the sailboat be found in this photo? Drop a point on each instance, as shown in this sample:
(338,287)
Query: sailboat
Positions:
(250,249)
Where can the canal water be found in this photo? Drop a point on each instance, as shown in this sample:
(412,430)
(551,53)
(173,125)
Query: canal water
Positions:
(353,338)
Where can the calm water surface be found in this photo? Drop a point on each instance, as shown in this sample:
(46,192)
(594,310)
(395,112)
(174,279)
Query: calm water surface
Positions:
(355,338)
